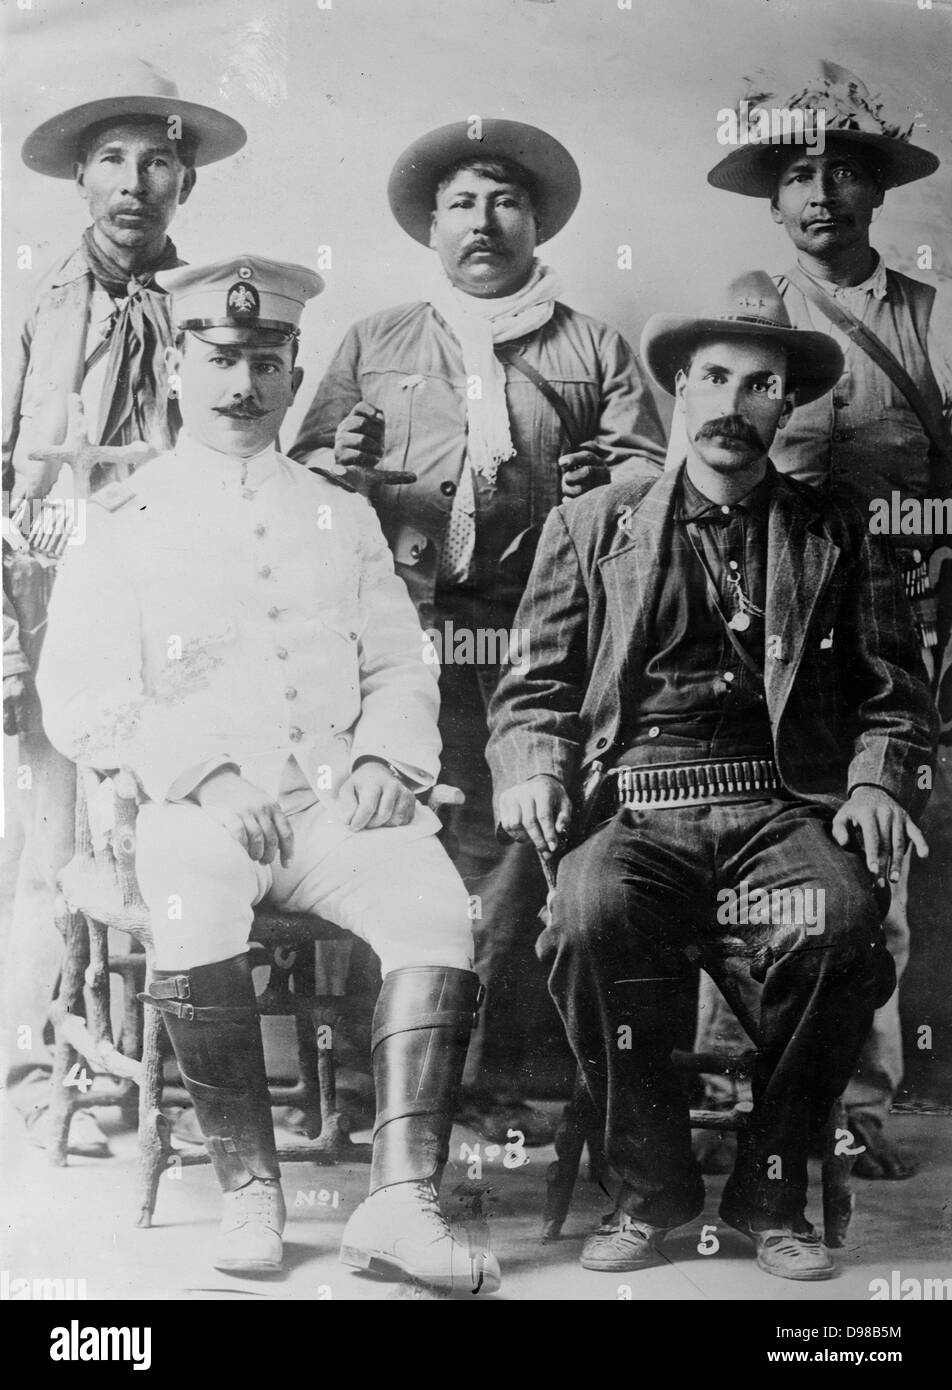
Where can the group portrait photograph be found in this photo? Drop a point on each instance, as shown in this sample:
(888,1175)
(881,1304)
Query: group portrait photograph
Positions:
(477,661)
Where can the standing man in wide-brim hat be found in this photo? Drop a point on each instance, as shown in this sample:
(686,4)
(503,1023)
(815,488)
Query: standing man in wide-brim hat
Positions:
(503,402)
(883,431)
(98,330)
(724,698)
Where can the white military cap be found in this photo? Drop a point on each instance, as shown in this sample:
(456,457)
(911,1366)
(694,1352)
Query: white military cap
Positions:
(245,291)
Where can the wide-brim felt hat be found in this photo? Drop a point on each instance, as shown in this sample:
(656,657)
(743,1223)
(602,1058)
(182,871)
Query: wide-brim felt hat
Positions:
(137,90)
(754,169)
(850,114)
(752,309)
(556,183)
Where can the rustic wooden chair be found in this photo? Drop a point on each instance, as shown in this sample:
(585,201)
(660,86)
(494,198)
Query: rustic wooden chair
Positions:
(308,958)
(582,1126)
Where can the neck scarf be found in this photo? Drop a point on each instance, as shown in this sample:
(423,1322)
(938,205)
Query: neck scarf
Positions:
(135,400)
(478,324)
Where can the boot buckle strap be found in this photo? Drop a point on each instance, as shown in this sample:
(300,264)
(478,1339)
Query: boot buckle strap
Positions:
(169,1006)
(444,1018)
(404,1111)
(222,1144)
(192,1014)
(171,987)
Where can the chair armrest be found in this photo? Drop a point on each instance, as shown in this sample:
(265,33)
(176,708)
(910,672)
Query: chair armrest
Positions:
(125,813)
(442,797)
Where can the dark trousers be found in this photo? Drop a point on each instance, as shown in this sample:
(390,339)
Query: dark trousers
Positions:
(636,913)
(504,880)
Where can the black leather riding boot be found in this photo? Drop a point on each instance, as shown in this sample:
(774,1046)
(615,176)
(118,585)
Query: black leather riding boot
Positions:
(212,1020)
(422,1023)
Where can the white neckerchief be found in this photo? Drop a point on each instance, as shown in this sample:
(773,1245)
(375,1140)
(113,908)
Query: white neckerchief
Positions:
(478,324)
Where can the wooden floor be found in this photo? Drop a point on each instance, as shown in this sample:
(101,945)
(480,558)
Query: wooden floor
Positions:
(76,1222)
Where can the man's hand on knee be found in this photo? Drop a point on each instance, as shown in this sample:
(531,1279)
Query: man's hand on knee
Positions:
(538,810)
(249,815)
(373,798)
(885,828)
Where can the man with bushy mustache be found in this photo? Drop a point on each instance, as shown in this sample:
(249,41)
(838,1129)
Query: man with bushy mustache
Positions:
(724,687)
(503,401)
(870,437)
(257,666)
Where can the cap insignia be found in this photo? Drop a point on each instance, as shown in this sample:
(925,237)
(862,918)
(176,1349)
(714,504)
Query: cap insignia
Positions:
(243,302)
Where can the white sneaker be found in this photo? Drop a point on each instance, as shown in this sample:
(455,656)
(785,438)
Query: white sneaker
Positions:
(401,1230)
(251,1225)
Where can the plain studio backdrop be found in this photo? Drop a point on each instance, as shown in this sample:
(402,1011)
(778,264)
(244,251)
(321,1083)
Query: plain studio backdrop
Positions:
(332,90)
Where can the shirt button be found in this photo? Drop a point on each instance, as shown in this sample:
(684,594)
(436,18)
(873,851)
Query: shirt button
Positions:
(265,571)
(282,653)
(290,693)
(295,734)
(274,613)
(728,676)
(602,742)
(447,488)
(726,510)
(654,731)
(352,636)
(261,529)
(732,564)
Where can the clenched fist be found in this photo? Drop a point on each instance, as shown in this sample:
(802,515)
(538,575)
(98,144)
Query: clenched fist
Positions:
(358,442)
(582,471)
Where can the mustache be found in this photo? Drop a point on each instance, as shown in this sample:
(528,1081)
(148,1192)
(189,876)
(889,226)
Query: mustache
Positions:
(730,427)
(241,412)
(483,244)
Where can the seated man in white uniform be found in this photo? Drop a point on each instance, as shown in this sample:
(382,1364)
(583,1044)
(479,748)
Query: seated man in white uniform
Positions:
(242,644)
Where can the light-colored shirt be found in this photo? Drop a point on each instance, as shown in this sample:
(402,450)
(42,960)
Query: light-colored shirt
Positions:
(102,308)
(243,612)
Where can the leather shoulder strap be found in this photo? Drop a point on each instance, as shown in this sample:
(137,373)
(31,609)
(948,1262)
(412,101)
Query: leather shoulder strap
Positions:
(557,402)
(875,348)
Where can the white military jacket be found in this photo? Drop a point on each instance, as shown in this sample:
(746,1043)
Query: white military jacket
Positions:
(243,611)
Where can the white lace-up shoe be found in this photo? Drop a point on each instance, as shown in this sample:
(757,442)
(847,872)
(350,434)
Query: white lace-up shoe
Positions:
(401,1231)
(250,1233)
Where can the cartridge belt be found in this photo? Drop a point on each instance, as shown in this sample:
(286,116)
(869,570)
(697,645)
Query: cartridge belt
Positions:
(680,784)
(921,595)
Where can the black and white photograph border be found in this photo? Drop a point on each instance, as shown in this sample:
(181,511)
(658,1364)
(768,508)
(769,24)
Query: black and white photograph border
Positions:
(294,118)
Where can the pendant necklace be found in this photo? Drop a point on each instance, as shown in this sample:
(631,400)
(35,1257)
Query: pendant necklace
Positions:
(745,610)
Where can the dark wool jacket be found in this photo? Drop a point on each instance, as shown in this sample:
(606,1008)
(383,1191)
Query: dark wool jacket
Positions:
(851,711)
